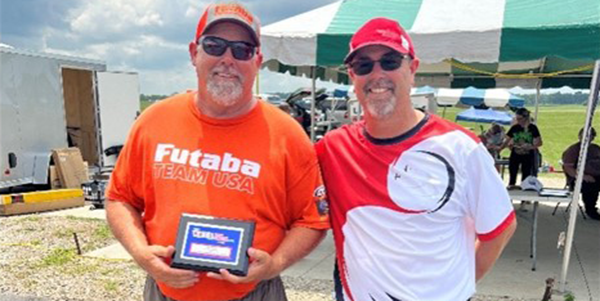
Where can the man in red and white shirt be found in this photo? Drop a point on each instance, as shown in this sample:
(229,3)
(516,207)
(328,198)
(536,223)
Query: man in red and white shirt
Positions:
(418,210)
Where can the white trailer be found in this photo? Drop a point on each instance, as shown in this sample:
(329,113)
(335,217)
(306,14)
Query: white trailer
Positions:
(50,101)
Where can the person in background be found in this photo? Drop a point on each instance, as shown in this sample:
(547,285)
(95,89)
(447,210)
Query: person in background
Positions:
(523,139)
(590,187)
(493,139)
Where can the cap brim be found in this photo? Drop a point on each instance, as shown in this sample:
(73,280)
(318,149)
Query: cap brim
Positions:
(351,55)
(251,31)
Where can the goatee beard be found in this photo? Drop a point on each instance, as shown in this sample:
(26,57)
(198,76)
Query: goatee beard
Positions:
(223,91)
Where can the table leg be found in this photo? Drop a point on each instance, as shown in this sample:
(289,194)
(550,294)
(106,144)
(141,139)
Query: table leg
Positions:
(534,235)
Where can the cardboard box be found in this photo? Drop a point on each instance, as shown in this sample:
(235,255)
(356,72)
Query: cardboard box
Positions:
(54,179)
(71,168)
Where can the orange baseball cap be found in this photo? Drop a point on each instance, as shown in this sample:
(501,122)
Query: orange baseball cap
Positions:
(230,12)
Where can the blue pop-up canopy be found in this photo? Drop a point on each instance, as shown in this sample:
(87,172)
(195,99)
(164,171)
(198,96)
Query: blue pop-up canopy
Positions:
(485,116)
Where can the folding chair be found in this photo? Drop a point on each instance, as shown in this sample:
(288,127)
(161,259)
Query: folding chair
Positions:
(569,185)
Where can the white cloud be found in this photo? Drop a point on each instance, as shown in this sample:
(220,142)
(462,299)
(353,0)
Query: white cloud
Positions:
(195,8)
(192,12)
(113,16)
(146,36)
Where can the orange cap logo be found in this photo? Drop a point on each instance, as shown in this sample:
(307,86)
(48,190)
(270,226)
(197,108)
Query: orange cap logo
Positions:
(234,9)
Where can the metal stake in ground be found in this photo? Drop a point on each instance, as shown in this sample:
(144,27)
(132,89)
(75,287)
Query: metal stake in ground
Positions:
(77,243)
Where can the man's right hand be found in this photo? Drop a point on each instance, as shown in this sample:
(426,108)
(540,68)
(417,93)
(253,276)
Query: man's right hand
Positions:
(154,264)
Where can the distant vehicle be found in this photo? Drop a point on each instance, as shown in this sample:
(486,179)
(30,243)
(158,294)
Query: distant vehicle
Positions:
(270,98)
(336,111)
(300,103)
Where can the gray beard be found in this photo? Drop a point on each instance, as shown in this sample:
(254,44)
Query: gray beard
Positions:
(225,93)
(381,108)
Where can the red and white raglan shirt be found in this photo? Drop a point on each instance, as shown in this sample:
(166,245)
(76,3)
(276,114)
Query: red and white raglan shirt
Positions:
(406,211)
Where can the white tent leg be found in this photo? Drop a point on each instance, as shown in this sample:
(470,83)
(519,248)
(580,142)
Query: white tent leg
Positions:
(592,103)
(257,91)
(537,101)
(313,71)
(538,96)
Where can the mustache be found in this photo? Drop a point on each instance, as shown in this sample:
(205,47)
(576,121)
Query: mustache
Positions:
(227,71)
(379,83)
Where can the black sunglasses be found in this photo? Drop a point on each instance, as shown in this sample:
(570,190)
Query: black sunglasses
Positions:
(387,63)
(215,46)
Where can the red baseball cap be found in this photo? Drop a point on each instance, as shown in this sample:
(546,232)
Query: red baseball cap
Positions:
(231,12)
(381,31)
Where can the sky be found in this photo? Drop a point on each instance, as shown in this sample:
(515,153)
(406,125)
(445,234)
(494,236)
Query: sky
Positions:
(149,37)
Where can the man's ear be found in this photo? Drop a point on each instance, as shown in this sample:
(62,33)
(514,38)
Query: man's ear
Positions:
(193,48)
(259,59)
(350,73)
(414,65)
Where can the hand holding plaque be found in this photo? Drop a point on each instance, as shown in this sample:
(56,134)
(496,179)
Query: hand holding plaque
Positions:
(260,268)
(209,244)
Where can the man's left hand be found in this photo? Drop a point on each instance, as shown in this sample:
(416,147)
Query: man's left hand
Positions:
(261,268)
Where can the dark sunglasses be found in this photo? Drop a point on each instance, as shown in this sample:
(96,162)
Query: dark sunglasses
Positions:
(215,46)
(387,63)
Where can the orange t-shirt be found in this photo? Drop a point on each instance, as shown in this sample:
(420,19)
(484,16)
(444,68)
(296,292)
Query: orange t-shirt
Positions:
(260,167)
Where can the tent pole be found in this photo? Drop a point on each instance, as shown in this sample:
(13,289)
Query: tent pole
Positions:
(256,82)
(592,103)
(538,96)
(313,72)
(538,89)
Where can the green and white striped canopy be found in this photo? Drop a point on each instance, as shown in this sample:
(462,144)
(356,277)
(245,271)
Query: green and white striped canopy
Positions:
(481,43)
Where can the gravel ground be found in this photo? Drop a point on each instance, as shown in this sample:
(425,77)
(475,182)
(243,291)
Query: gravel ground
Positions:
(39,261)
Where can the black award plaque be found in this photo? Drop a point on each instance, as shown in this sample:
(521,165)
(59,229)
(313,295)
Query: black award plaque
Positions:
(207,243)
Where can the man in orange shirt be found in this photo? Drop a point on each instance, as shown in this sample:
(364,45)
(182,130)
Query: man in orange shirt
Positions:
(217,151)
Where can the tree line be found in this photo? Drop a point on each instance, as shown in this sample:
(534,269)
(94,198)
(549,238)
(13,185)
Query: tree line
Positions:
(577,98)
(152,97)
(558,98)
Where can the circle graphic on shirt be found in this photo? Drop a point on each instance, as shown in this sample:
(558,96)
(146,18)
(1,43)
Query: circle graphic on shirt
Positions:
(420,181)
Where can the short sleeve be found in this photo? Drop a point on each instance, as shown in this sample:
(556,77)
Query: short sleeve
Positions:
(488,200)
(511,131)
(535,132)
(308,206)
(126,180)
(570,155)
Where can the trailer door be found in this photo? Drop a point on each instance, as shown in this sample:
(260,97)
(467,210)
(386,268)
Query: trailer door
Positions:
(118,100)
(10,128)
(31,118)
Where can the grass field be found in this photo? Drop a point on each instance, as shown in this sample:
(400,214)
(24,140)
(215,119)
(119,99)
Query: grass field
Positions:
(144,104)
(558,125)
